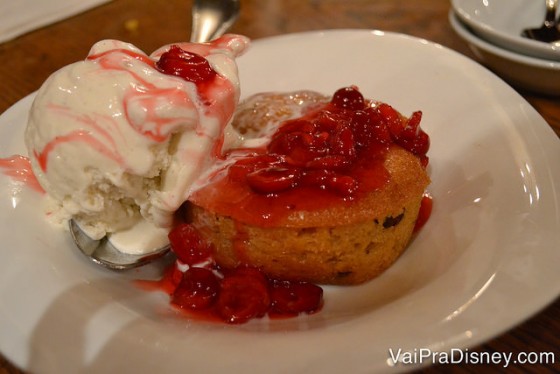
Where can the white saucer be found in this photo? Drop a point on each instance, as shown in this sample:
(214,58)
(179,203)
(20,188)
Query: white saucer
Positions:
(530,73)
(500,22)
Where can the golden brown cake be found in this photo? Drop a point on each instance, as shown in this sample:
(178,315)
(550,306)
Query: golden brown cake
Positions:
(341,214)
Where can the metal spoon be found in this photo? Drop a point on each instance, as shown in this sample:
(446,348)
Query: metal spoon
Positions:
(104,253)
(550,29)
(211,19)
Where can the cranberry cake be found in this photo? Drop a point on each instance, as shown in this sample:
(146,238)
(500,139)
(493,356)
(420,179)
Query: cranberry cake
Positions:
(331,196)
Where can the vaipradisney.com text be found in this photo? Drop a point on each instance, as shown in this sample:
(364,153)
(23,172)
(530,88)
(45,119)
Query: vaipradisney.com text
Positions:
(464,356)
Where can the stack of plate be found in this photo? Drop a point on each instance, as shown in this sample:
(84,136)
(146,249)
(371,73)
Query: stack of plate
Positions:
(492,28)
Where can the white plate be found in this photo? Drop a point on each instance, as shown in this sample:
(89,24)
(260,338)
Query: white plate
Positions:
(501,22)
(487,259)
(531,73)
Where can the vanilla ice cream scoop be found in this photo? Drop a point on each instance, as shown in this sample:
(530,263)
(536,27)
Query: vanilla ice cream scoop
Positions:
(121,137)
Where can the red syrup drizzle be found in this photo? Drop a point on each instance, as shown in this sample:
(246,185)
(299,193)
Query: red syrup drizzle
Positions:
(19,169)
(214,90)
(333,155)
(424,213)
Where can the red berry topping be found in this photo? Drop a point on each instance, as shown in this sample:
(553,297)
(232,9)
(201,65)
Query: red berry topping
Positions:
(368,126)
(187,65)
(425,212)
(348,98)
(329,162)
(234,295)
(198,289)
(329,147)
(420,145)
(243,296)
(342,143)
(295,297)
(273,179)
(391,119)
(343,185)
(187,244)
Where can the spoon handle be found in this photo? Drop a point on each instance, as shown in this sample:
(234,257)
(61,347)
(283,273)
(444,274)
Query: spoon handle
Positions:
(211,18)
(550,15)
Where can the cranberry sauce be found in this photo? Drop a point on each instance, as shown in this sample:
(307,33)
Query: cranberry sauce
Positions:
(424,213)
(187,65)
(204,291)
(332,155)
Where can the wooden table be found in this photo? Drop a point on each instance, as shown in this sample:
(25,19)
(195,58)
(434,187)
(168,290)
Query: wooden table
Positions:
(28,60)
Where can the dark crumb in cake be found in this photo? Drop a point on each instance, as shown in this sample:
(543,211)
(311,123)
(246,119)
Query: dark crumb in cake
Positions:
(393,221)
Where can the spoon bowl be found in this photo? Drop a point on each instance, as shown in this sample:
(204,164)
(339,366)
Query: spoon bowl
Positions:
(550,29)
(211,19)
(104,253)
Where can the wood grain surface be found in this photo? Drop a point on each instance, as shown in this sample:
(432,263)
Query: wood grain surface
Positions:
(28,60)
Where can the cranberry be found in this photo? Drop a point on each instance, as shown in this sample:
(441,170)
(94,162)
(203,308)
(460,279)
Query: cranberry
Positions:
(343,143)
(418,144)
(304,147)
(281,143)
(317,177)
(298,146)
(391,118)
(380,133)
(301,155)
(187,244)
(187,65)
(298,124)
(413,123)
(331,119)
(243,296)
(344,185)
(273,179)
(331,162)
(295,297)
(368,125)
(421,144)
(348,98)
(198,289)
(424,213)
(253,162)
